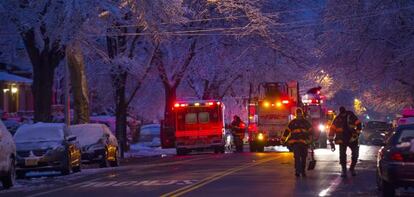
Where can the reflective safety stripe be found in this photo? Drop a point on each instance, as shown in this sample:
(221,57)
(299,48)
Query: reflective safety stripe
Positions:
(338,141)
(339,130)
(297,141)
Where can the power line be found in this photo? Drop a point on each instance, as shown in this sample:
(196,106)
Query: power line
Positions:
(283,25)
(269,14)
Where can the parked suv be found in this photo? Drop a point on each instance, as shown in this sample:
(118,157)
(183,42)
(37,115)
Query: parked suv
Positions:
(98,144)
(46,146)
(7,157)
(395,166)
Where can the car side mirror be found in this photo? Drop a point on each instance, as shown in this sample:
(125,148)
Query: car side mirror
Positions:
(71,138)
(106,135)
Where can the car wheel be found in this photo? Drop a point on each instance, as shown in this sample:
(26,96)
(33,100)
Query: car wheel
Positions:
(387,189)
(116,162)
(66,169)
(9,180)
(77,168)
(104,163)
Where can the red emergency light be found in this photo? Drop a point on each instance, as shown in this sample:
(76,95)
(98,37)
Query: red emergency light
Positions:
(285,101)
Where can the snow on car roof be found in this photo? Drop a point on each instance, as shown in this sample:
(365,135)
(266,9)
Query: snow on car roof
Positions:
(87,134)
(39,132)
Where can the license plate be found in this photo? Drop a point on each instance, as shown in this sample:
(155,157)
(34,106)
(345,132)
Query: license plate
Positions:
(31,161)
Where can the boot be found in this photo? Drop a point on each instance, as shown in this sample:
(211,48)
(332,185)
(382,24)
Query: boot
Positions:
(343,174)
(297,174)
(352,170)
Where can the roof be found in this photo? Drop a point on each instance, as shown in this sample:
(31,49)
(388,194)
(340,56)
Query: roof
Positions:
(13,78)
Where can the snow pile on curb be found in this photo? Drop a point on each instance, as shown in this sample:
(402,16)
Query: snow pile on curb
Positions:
(142,150)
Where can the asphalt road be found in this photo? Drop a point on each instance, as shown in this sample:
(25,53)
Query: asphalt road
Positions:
(232,174)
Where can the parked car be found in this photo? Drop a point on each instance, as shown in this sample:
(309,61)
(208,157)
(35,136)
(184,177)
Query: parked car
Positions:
(374,131)
(46,146)
(7,157)
(12,125)
(395,164)
(98,144)
(150,135)
(110,122)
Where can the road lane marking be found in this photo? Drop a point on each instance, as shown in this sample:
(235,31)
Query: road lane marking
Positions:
(214,177)
(332,187)
(100,178)
(100,184)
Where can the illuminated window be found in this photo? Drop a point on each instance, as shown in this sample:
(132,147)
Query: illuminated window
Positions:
(204,117)
(191,118)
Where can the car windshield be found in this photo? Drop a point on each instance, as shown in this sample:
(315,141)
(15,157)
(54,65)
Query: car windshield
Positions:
(39,133)
(406,135)
(87,134)
(377,124)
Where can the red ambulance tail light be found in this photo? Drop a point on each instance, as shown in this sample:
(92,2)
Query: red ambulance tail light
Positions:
(177,105)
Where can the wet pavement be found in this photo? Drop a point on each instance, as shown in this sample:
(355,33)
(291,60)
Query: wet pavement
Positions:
(233,174)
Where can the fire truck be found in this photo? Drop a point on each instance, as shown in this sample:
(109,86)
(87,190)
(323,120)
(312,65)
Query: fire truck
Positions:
(199,125)
(269,113)
(317,115)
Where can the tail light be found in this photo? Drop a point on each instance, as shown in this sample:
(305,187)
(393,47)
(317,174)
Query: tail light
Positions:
(397,157)
(285,101)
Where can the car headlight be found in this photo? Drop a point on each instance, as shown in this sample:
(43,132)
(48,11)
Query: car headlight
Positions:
(321,127)
(59,149)
(260,136)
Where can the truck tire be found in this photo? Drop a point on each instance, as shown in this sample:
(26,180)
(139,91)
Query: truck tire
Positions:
(181,151)
(260,148)
(252,147)
(219,149)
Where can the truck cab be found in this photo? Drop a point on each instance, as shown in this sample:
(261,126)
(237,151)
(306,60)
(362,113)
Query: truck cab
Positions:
(270,113)
(199,126)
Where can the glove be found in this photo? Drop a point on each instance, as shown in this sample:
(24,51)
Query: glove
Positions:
(332,146)
(354,137)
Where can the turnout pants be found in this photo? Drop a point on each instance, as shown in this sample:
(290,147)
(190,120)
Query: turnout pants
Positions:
(354,146)
(300,152)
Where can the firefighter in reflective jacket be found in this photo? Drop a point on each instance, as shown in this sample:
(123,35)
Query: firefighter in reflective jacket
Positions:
(345,130)
(297,136)
(238,128)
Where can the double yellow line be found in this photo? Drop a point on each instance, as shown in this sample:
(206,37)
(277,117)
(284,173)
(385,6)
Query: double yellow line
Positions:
(189,188)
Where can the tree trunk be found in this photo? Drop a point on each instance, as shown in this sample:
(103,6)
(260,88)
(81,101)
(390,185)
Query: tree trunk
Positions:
(44,62)
(78,83)
(170,98)
(42,88)
(119,81)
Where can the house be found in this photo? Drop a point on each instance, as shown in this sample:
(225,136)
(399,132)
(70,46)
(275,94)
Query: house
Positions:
(15,94)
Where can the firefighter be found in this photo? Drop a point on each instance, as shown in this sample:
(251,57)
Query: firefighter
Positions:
(238,127)
(297,136)
(345,130)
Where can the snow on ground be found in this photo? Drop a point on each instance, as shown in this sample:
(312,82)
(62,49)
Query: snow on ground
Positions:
(51,179)
(277,149)
(144,150)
